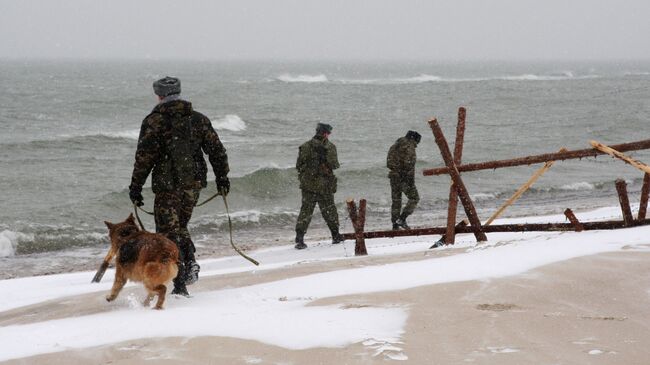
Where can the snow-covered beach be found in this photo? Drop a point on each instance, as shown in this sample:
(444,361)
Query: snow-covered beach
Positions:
(519,298)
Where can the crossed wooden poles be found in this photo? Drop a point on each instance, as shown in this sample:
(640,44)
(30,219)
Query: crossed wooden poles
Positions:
(458,191)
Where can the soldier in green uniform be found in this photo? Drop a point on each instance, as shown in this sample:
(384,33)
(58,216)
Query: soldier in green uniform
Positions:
(317,160)
(173,138)
(401,163)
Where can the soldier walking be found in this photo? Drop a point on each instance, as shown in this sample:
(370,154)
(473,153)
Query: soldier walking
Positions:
(401,163)
(317,160)
(173,138)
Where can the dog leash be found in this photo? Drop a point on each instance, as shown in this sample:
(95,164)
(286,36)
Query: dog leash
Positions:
(225,203)
(136,207)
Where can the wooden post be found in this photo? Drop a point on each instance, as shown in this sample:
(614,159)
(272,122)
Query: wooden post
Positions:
(360,246)
(621,188)
(572,218)
(458,181)
(521,190)
(645,191)
(358,219)
(450,236)
(627,159)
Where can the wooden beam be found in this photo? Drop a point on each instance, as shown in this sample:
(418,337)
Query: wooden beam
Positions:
(627,159)
(458,181)
(529,160)
(645,191)
(621,188)
(450,236)
(574,220)
(524,227)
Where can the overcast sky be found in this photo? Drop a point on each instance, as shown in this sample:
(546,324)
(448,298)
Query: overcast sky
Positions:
(431,30)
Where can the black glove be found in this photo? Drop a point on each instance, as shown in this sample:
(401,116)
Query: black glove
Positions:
(135,193)
(223,185)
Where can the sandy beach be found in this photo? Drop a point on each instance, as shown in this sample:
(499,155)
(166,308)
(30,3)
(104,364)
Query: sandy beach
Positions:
(591,309)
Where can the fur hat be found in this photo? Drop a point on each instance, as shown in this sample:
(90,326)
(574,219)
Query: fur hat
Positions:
(414,136)
(167,86)
(323,128)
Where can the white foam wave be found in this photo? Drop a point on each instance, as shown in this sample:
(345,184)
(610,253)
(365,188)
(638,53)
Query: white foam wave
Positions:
(303,78)
(8,242)
(483,196)
(230,122)
(422,78)
(130,134)
(637,73)
(583,185)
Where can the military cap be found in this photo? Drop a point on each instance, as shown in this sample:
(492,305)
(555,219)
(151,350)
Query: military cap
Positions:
(167,86)
(414,136)
(323,128)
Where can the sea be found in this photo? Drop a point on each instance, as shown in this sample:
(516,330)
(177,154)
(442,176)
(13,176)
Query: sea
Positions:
(69,129)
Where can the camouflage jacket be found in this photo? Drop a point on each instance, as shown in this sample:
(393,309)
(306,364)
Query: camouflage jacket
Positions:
(401,158)
(171,143)
(317,160)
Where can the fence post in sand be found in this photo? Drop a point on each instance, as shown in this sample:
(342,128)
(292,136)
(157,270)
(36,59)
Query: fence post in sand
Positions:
(645,191)
(358,218)
(621,188)
(574,220)
(457,181)
(450,236)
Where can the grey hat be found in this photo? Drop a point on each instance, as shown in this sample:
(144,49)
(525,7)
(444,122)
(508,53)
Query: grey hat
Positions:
(323,128)
(167,86)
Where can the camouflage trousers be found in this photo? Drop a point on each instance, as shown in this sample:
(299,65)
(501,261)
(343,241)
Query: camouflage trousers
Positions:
(402,185)
(172,212)
(327,209)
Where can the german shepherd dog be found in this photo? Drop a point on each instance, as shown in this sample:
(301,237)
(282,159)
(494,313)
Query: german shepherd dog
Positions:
(142,256)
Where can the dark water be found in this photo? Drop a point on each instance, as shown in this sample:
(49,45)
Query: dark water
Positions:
(68,133)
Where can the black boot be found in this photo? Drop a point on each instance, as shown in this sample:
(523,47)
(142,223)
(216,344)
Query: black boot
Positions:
(179,281)
(396,226)
(401,222)
(300,242)
(192,275)
(337,238)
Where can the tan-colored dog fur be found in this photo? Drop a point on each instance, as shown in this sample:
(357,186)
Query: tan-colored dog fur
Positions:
(149,258)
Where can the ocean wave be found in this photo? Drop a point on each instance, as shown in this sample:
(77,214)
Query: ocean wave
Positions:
(131,134)
(302,78)
(484,196)
(8,242)
(633,73)
(230,122)
(582,185)
(268,182)
(424,78)
(245,219)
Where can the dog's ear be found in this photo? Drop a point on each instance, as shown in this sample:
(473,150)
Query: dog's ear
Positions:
(131,219)
(109,225)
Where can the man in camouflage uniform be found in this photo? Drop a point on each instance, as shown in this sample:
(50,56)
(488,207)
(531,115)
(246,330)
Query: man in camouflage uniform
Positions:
(317,160)
(401,163)
(173,138)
